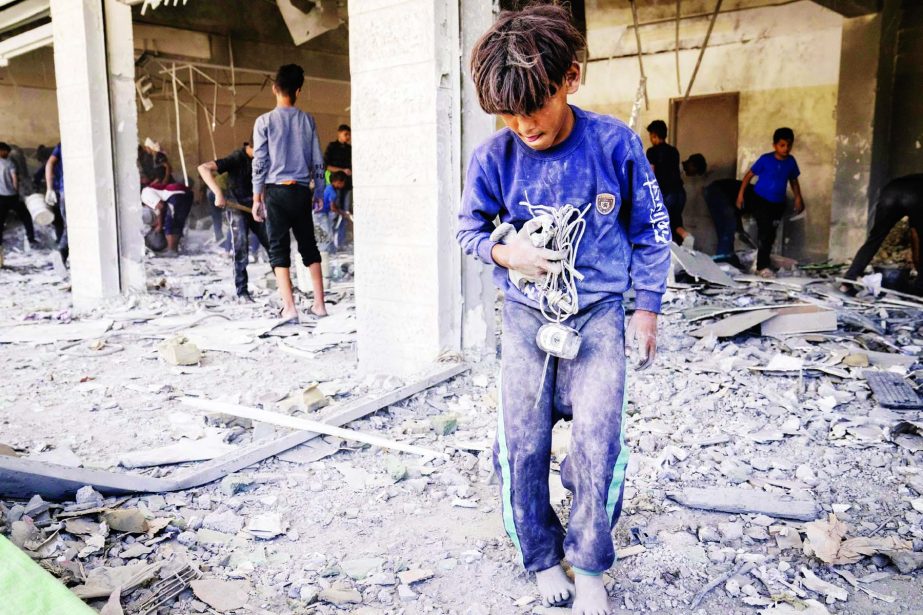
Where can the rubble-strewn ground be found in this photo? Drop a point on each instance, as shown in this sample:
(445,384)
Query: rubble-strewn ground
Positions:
(364,530)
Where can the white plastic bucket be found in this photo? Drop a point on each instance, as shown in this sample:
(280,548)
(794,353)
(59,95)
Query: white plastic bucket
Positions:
(40,212)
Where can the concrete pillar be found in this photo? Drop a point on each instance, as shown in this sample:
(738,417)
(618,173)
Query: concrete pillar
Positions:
(404,61)
(478,291)
(862,127)
(123,111)
(98,168)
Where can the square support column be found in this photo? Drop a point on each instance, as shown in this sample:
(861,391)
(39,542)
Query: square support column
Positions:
(97,146)
(123,110)
(863,118)
(404,60)
(478,290)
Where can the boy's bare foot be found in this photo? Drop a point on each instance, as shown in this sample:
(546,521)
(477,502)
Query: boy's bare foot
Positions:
(318,311)
(766,273)
(592,597)
(554,585)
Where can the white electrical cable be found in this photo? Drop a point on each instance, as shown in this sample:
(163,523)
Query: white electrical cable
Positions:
(558,299)
(557,293)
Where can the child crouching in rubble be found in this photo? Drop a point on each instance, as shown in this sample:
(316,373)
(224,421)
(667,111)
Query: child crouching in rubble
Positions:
(550,153)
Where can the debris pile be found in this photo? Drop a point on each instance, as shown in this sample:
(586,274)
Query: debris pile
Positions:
(766,475)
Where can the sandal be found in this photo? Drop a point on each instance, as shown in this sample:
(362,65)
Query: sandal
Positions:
(315,314)
(294,320)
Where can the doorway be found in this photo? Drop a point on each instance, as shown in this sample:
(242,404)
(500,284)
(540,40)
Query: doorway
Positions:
(706,125)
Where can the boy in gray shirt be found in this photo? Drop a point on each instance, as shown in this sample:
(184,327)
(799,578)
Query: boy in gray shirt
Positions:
(286,157)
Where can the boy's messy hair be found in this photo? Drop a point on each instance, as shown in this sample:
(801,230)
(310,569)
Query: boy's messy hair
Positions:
(522,59)
(783,133)
(659,128)
(338,176)
(343,128)
(4,147)
(289,79)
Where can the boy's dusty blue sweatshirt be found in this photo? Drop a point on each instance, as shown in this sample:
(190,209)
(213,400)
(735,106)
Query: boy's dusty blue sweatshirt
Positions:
(591,166)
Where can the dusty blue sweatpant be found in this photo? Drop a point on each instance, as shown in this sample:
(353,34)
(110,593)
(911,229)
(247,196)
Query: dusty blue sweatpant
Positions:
(588,390)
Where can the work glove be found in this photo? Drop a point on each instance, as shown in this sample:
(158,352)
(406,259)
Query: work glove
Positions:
(642,334)
(526,259)
(51,198)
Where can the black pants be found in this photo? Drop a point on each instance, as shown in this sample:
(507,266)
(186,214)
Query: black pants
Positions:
(768,215)
(240,225)
(289,208)
(898,199)
(14,203)
(675,203)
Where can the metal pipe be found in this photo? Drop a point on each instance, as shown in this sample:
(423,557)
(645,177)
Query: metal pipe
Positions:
(698,62)
(634,17)
(679,83)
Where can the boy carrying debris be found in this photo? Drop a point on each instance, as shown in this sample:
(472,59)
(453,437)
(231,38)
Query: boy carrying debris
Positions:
(587,177)
(238,166)
(286,157)
(773,171)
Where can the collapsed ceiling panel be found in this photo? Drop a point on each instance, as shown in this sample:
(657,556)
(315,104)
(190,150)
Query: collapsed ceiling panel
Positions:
(305,25)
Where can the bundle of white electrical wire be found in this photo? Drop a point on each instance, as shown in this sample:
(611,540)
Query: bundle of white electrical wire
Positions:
(562,230)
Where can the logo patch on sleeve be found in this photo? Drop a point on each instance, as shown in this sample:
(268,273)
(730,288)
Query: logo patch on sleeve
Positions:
(605,203)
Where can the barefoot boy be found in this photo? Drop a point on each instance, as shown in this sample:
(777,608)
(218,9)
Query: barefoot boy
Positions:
(554,154)
(286,157)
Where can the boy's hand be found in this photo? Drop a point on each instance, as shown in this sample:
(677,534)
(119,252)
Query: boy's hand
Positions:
(520,255)
(642,329)
(220,201)
(740,201)
(259,210)
(799,205)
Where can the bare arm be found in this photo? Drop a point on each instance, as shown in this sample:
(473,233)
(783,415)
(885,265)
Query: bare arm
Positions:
(49,171)
(15,177)
(799,202)
(207,172)
(743,188)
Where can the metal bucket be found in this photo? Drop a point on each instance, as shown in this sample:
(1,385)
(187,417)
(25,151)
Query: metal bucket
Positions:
(40,212)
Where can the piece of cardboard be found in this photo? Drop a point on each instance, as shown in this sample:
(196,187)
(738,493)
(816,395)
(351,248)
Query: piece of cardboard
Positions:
(794,320)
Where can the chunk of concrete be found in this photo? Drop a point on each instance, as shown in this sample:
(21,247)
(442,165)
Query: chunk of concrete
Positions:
(340,596)
(221,595)
(179,351)
(358,569)
(129,520)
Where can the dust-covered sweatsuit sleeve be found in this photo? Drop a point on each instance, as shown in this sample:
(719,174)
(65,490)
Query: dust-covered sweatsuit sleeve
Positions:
(479,208)
(647,229)
(260,155)
(317,165)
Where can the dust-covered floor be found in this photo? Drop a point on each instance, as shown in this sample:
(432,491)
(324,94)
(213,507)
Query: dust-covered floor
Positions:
(338,527)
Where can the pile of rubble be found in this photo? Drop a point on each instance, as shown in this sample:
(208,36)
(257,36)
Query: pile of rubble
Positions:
(766,475)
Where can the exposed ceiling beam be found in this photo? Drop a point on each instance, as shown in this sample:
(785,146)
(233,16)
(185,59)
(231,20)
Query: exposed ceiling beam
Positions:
(24,43)
(23,13)
(851,8)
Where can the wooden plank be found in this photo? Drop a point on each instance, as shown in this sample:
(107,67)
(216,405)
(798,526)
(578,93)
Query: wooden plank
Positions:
(293,422)
(23,478)
(734,325)
(735,500)
(794,320)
